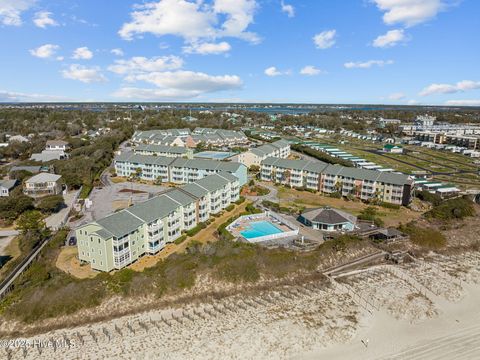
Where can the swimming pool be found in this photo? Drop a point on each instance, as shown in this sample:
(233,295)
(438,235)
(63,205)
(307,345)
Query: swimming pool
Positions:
(216,155)
(260,228)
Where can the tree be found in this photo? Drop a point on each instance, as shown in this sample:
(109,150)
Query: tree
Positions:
(31,223)
(138,173)
(51,204)
(254,168)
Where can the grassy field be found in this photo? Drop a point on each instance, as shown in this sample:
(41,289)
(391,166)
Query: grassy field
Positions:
(391,217)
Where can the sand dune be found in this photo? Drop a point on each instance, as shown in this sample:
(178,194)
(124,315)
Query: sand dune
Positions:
(425,310)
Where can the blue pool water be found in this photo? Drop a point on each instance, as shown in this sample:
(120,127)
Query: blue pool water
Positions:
(260,228)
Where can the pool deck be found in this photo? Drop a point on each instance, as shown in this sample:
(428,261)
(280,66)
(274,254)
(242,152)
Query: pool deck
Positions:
(244,224)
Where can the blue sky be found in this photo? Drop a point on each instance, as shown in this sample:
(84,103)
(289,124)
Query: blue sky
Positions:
(313,51)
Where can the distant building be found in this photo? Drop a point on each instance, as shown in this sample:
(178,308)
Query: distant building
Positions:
(18,138)
(175,170)
(394,149)
(279,149)
(328,219)
(6,186)
(57,145)
(367,185)
(425,120)
(187,138)
(385,122)
(163,150)
(49,155)
(43,184)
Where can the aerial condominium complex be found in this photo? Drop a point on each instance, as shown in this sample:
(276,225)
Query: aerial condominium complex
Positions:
(175,170)
(121,238)
(278,149)
(163,150)
(187,138)
(319,176)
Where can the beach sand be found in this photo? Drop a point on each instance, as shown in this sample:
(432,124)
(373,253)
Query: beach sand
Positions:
(423,310)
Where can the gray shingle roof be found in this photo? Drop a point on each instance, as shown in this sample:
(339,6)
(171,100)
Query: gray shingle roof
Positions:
(195,190)
(120,223)
(155,208)
(8,184)
(144,159)
(212,183)
(328,216)
(162,149)
(43,177)
(179,196)
(353,173)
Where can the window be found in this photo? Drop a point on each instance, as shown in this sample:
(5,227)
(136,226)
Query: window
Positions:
(99,240)
(93,261)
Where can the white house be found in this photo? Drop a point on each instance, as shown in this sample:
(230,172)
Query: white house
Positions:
(6,186)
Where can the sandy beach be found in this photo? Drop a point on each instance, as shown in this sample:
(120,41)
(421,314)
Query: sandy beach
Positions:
(427,309)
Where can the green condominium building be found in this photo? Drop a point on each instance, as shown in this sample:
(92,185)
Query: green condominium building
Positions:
(121,238)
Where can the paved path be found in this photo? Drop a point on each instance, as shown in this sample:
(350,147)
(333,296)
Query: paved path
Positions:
(4,242)
(12,232)
(56,221)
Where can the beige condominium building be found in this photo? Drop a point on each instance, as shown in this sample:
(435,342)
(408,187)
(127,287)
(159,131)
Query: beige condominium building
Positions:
(120,239)
(316,175)
(278,149)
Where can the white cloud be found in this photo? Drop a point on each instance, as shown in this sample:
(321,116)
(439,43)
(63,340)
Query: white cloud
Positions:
(367,64)
(189,81)
(207,48)
(11,11)
(325,39)
(178,84)
(288,9)
(397,96)
(45,51)
(471,102)
(139,64)
(412,102)
(461,86)
(9,96)
(273,71)
(43,19)
(117,52)
(84,74)
(82,53)
(193,21)
(310,70)
(390,39)
(409,12)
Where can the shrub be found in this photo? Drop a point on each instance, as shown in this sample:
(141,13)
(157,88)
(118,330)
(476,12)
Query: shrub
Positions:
(51,204)
(433,199)
(181,239)
(459,208)
(230,207)
(425,237)
(196,229)
(389,206)
(240,201)
(371,214)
